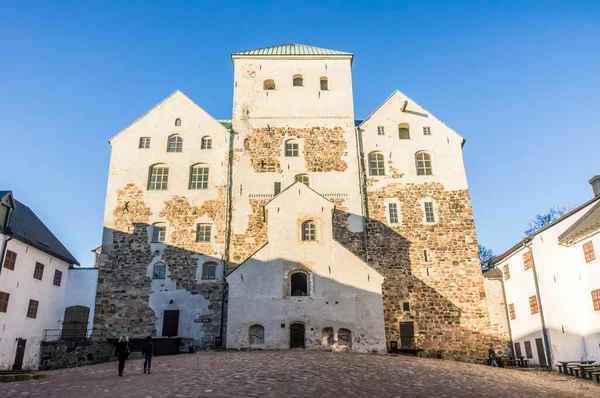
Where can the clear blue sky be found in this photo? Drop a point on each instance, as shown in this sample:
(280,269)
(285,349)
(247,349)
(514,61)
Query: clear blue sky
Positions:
(519,79)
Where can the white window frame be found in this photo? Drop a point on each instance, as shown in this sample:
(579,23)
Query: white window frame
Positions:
(426,130)
(144,143)
(380,130)
(199,176)
(393,201)
(433,211)
(204,226)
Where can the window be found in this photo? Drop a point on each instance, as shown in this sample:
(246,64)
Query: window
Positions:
(39,271)
(506,272)
(256,334)
(298,81)
(528,352)
(199,177)
(324,84)
(309,231)
(276,188)
(291,148)
(344,338)
(588,252)
(327,338)
(533,305)
(393,211)
(426,130)
(10,259)
(527,261)
(32,309)
(406,306)
(159,178)
(203,233)
(596,299)
(299,284)
(304,179)
(380,130)
(57,277)
(4,301)
(175,144)
(269,84)
(423,164)
(144,142)
(376,165)
(511,311)
(159,233)
(178,122)
(429,213)
(404,131)
(160,271)
(206,143)
(209,270)
(518,353)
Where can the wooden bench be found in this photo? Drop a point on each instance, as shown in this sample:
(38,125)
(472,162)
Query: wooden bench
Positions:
(589,368)
(595,375)
(573,370)
(564,364)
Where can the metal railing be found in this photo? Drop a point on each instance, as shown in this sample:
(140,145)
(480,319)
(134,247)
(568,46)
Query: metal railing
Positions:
(77,334)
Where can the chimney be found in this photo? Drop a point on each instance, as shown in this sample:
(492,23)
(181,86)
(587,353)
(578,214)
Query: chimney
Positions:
(595,183)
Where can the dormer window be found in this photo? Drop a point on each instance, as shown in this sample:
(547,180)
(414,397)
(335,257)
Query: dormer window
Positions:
(324,84)
(269,84)
(298,81)
(178,122)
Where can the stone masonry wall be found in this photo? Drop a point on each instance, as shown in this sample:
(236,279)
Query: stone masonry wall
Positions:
(72,353)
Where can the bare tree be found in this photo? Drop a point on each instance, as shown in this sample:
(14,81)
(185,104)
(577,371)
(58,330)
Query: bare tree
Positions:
(485,256)
(541,220)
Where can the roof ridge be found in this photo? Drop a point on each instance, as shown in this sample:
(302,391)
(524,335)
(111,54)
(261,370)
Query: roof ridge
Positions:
(291,49)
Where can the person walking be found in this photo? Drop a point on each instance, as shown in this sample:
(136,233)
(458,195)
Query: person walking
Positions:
(148,353)
(492,356)
(122,351)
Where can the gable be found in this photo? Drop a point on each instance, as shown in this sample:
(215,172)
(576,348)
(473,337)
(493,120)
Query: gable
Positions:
(299,193)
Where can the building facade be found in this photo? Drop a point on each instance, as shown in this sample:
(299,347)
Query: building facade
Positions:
(33,283)
(552,286)
(187,203)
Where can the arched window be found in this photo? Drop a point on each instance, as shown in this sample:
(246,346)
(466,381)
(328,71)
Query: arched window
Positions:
(298,284)
(344,337)
(206,143)
(404,131)
(160,271)
(304,179)
(292,148)
(199,176)
(209,270)
(324,84)
(158,177)
(178,122)
(327,338)
(269,84)
(175,144)
(423,160)
(298,81)
(159,232)
(309,231)
(256,334)
(376,164)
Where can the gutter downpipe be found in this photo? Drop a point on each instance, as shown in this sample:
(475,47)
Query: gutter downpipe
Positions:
(361,186)
(510,335)
(545,332)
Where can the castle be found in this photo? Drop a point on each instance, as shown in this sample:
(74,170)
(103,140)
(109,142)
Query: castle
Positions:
(293,224)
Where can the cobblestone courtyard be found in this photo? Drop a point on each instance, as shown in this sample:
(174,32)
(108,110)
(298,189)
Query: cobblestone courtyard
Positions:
(299,374)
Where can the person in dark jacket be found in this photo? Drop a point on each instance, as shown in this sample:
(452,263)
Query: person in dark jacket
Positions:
(148,353)
(122,351)
(492,356)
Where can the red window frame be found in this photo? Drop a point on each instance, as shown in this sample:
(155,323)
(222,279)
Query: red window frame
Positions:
(10,260)
(511,311)
(38,273)
(527,260)
(533,304)
(57,277)
(588,252)
(506,270)
(596,299)
(32,309)
(4,301)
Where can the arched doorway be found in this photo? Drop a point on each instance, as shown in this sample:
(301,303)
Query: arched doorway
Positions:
(297,335)
(75,323)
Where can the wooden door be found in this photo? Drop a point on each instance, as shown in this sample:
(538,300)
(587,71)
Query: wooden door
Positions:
(407,334)
(170,323)
(20,354)
(76,322)
(539,344)
(296,335)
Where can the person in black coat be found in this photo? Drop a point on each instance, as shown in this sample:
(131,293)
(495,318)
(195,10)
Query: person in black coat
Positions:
(122,351)
(148,353)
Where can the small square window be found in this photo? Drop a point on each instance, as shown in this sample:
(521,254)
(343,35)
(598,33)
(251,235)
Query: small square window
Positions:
(380,130)
(588,252)
(209,271)
(203,233)
(4,301)
(160,271)
(57,277)
(426,130)
(393,212)
(144,142)
(10,260)
(39,271)
(291,149)
(32,309)
(429,213)
(159,233)
(511,311)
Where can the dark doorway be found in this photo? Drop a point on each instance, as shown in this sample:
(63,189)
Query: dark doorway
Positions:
(170,323)
(541,355)
(296,335)
(75,322)
(407,334)
(20,354)
(299,285)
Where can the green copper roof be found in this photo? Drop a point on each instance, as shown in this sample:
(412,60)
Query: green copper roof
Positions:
(226,123)
(291,49)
